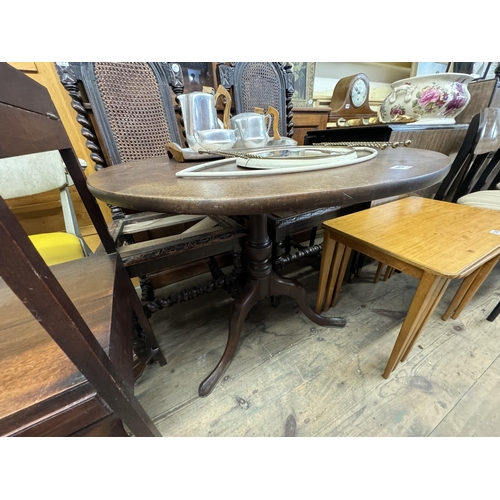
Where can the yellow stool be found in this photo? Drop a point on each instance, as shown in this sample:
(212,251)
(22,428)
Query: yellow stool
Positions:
(56,248)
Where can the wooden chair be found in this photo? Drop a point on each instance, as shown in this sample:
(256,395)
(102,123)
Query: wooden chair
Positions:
(489,199)
(40,173)
(127,113)
(483,190)
(260,85)
(452,242)
(476,166)
(66,332)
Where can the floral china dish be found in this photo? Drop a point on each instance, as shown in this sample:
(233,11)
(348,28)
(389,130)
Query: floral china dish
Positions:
(437,99)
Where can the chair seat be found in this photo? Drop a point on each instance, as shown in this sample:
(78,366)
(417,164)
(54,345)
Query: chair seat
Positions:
(482,199)
(58,247)
(43,393)
(433,241)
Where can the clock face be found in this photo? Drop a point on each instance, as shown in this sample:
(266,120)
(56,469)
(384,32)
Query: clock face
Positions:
(359,93)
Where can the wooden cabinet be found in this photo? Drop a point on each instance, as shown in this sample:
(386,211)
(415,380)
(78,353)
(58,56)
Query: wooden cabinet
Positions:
(445,139)
(306,119)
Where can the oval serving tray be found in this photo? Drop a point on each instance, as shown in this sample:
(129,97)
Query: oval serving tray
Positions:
(259,165)
(296,156)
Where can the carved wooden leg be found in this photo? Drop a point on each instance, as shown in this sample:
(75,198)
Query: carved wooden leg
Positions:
(294,289)
(427,295)
(239,311)
(145,344)
(468,288)
(262,282)
(148,293)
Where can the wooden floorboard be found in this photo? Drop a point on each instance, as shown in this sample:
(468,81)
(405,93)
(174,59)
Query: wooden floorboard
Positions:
(292,377)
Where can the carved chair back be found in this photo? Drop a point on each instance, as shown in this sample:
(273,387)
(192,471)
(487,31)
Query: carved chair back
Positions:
(261,84)
(126,108)
(127,113)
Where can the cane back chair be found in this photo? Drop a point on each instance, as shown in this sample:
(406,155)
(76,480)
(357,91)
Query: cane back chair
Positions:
(127,113)
(78,379)
(260,85)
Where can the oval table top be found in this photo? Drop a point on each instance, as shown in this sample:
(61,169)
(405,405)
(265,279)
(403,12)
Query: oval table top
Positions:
(151,185)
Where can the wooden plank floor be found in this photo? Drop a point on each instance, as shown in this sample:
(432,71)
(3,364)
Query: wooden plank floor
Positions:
(291,377)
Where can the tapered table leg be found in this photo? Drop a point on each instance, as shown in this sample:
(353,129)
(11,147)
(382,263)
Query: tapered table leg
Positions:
(430,289)
(262,282)
(468,288)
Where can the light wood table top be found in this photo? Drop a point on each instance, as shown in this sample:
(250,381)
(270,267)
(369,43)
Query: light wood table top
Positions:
(450,240)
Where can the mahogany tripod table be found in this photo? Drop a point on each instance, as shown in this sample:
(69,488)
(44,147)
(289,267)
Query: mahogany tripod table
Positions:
(151,185)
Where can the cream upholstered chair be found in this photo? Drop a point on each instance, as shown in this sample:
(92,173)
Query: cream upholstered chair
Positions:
(39,173)
(489,198)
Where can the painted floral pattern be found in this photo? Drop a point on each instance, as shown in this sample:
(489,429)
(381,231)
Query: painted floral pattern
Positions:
(458,101)
(434,97)
(393,111)
(398,110)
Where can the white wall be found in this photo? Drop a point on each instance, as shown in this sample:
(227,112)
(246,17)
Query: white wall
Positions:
(329,73)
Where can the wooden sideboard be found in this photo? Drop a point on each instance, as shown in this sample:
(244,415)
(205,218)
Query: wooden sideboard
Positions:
(445,139)
(306,119)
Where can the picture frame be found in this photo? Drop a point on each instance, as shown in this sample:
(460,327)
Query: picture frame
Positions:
(483,70)
(197,75)
(428,68)
(303,73)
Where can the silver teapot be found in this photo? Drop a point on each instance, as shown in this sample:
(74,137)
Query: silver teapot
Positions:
(199,113)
